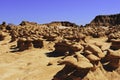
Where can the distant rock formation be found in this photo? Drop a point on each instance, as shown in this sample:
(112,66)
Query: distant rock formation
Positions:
(62,23)
(27,23)
(105,20)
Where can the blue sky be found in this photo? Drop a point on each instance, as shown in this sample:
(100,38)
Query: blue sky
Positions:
(45,11)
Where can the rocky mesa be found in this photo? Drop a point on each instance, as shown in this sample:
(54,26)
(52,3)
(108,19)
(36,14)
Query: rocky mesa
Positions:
(106,20)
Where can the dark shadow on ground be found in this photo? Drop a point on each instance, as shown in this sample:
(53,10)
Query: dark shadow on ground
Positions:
(109,68)
(70,73)
(55,54)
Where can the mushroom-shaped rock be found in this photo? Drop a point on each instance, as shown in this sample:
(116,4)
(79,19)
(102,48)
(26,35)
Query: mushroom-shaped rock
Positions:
(115,44)
(92,57)
(80,57)
(76,47)
(115,40)
(113,58)
(24,44)
(50,37)
(83,62)
(114,54)
(29,39)
(79,62)
(65,45)
(114,63)
(37,43)
(87,52)
(95,50)
(62,46)
(28,43)
(2,36)
(103,46)
(70,60)
(20,43)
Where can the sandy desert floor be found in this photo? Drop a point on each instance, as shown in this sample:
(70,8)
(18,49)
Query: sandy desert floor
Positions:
(33,64)
(26,65)
(58,51)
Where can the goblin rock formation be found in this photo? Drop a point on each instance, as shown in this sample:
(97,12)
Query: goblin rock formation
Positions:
(2,35)
(81,50)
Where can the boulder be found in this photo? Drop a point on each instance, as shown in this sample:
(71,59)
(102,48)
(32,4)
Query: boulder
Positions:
(115,44)
(113,59)
(2,35)
(95,50)
(76,47)
(51,37)
(114,63)
(24,44)
(67,46)
(103,46)
(93,58)
(79,61)
(113,54)
(37,43)
(62,46)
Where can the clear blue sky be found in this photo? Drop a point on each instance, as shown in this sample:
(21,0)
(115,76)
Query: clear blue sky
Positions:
(44,11)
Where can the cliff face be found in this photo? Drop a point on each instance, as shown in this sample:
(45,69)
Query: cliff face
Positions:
(106,20)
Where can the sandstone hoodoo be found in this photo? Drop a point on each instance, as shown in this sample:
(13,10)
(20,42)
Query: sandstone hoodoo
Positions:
(24,44)
(2,35)
(95,50)
(28,43)
(115,44)
(80,62)
(61,50)
(65,46)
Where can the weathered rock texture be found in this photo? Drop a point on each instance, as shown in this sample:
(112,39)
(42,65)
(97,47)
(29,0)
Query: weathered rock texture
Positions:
(106,20)
(87,53)
(2,35)
(62,23)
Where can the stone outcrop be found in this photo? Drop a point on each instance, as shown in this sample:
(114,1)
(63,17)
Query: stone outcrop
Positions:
(62,23)
(115,44)
(94,50)
(81,57)
(23,23)
(91,58)
(2,35)
(65,46)
(24,44)
(28,43)
(106,20)
(79,61)
(3,26)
